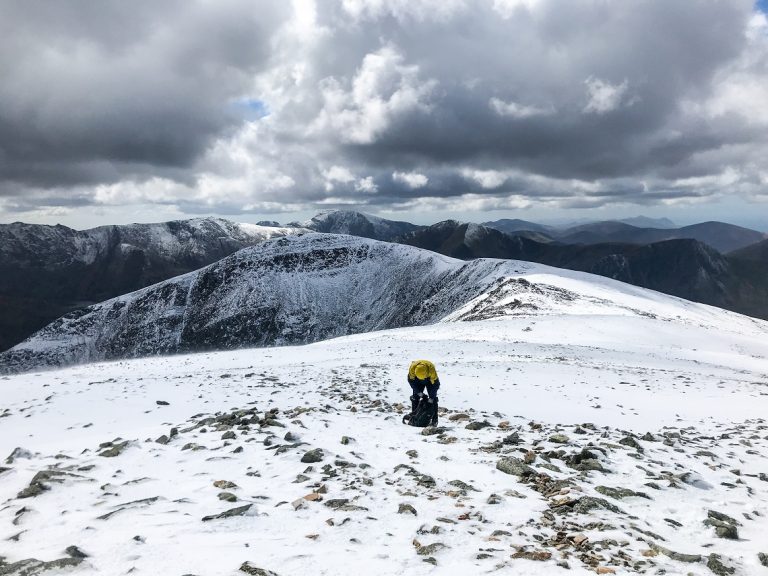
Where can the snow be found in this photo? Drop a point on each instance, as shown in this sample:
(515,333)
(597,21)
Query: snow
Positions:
(622,358)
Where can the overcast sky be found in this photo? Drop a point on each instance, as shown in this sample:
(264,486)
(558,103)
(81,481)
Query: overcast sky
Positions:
(115,111)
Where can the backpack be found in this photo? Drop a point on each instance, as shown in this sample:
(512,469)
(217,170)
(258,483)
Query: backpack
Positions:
(422,416)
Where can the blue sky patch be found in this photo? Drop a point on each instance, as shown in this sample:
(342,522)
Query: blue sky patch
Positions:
(252,108)
(762,5)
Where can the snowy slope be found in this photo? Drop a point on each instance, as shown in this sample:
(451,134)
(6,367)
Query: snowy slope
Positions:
(667,397)
(357,224)
(307,288)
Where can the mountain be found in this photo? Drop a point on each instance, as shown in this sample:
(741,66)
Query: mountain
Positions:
(645,222)
(683,267)
(46,271)
(719,235)
(514,225)
(357,224)
(584,422)
(757,252)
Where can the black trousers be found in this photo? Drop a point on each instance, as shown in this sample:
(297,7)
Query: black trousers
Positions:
(418,388)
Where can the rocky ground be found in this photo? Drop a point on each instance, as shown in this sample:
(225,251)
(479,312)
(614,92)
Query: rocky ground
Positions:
(341,481)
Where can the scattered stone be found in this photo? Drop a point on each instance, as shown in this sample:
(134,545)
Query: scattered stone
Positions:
(162,403)
(512,439)
(75,552)
(114,450)
(713,514)
(432,430)
(587,503)
(406,508)
(514,467)
(463,485)
(430,549)
(494,499)
(690,558)
(229,435)
(19,453)
(224,484)
(538,555)
(249,568)
(632,443)
(457,417)
(763,558)
(620,493)
(412,454)
(239,511)
(313,456)
(346,440)
(32,567)
(227,497)
(716,566)
(478,425)
(530,457)
(559,438)
(163,440)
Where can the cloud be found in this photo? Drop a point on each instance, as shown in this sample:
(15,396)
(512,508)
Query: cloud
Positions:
(231,107)
(412,180)
(603,96)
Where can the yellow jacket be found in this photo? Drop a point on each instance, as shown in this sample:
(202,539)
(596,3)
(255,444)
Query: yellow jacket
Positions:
(431,372)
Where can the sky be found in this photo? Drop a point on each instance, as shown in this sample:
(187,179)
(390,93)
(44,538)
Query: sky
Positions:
(419,110)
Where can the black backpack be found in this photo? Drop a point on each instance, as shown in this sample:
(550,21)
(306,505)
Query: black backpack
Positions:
(422,416)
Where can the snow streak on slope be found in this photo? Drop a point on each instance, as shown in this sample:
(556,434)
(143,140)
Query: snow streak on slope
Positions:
(635,429)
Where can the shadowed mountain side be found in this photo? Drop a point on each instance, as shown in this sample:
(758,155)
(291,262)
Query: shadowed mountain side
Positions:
(47,271)
(683,267)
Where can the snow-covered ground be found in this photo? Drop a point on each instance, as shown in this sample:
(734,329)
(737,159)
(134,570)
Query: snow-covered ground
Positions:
(619,364)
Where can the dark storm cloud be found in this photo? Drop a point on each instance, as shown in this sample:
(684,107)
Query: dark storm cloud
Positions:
(97,91)
(243,106)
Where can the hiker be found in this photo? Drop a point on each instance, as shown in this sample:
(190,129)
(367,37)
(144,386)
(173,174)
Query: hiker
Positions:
(422,374)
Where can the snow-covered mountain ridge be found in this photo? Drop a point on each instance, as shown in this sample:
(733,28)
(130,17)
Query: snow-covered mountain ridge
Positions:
(307,288)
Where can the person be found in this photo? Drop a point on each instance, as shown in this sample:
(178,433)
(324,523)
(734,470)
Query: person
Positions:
(422,374)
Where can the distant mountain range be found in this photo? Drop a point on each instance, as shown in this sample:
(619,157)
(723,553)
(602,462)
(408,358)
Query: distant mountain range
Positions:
(292,290)
(47,271)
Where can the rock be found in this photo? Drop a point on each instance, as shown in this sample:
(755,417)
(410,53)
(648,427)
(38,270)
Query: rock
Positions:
(18,453)
(538,555)
(463,485)
(249,568)
(412,454)
(227,497)
(514,467)
(620,493)
(717,567)
(163,439)
(406,508)
(430,549)
(727,531)
(512,439)
(426,481)
(457,417)
(587,503)
(162,403)
(648,437)
(115,450)
(714,514)
(34,489)
(75,552)
(478,425)
(336,503)
(33,567)
(689,558)
(346,440)
(229,435)
(494,499)
(632,443)
(763,558)
(559,439)
(432,430)
(224,484)
(313,456)
(530,457)
(605,570)
(239,511)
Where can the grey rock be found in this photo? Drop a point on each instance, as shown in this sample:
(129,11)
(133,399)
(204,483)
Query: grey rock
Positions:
(620,493)
(114,450)
(717,567)
(632,443)
(689,558)
(430,549)
(763,558)
(559,438)
(313,456)
(714,514)
(239,511)
(406,508)
(587,503)
(463,485)
(163,439)
(514,467)
(229,435)
(227,497)
(478,425)
(249,568)
(432,430)
(162,403)
(75,552)
(33,567)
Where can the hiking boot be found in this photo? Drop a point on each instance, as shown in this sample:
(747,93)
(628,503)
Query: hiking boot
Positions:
(414,403)
(433,406)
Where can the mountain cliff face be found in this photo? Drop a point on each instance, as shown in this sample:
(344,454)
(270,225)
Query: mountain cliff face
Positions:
(46,271)
(357,224)
(286,291)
